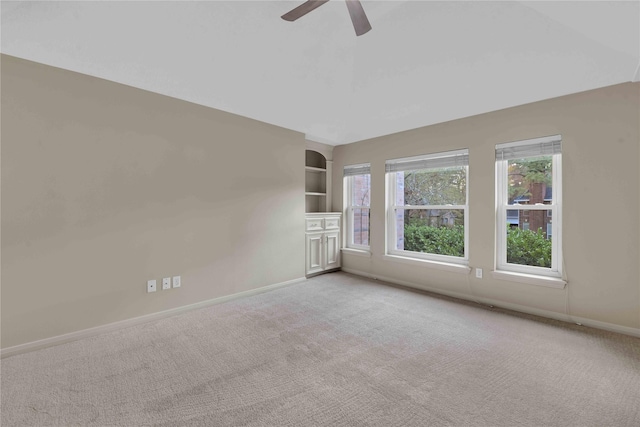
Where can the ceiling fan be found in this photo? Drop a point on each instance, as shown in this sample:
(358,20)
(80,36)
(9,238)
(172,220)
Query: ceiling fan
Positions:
(360,22)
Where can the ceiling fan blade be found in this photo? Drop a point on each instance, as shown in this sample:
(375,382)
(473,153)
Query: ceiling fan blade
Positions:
(303,9)
(360,22)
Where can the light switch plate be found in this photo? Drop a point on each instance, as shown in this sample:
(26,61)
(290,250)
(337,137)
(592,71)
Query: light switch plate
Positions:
(166,283)
(176,281)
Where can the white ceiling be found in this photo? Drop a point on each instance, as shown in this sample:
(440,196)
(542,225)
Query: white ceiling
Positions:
(424,62)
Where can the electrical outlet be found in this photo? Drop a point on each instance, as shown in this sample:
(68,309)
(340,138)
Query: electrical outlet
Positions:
(176,281)
(479,273)
(151,285)
(166,283)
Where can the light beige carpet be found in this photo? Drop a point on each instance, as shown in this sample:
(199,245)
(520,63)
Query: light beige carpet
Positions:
(336,350)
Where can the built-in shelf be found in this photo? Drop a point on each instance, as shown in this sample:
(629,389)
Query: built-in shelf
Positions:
(314,169)
(316,182)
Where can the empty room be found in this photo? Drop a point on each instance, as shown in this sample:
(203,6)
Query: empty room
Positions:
(320,213)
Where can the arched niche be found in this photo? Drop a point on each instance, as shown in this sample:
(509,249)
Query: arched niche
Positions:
(315,159)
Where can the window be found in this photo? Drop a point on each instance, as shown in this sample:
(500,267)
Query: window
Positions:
(357,185)
(528,182)
(427,209)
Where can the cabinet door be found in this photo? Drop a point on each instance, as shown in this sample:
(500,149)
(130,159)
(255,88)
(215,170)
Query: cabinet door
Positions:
(332,249)
(315,258)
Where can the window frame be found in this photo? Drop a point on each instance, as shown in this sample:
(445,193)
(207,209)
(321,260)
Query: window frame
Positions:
(349,207)
(502,205)
(391,207)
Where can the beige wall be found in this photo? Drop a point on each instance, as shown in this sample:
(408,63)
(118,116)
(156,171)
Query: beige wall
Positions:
(601,134)
(105,186)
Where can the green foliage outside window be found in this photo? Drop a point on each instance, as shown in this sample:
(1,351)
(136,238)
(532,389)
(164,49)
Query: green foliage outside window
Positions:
(434,240)
(528,247)
(524,247)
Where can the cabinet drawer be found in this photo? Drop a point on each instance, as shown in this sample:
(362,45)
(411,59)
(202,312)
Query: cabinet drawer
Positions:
(315,224)
(332,223)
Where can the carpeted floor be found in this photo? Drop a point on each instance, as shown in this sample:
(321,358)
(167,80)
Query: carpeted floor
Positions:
(336,350)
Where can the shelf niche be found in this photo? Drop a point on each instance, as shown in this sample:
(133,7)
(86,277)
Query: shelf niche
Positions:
(315,182)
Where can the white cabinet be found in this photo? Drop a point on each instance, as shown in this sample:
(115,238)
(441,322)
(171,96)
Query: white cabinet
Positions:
(322,242)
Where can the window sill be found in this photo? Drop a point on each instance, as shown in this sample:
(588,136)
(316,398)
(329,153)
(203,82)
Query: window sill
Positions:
(358,252)
(530,279)
(438,265)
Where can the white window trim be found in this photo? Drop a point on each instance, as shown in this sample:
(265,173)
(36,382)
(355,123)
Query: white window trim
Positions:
(358,252)
(556,224)
(391,231)
(438,265)
(348,212)
(530,279)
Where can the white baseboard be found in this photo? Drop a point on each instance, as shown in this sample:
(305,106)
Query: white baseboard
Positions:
(496,303)
(73,336)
